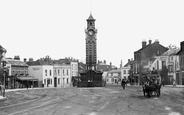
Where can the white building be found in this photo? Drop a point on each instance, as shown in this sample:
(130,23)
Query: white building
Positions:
(125,72)
(43,72)
(114,76)
(74,69)
(66,75)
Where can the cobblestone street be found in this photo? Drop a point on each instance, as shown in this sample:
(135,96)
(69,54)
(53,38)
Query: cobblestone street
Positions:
(112,100)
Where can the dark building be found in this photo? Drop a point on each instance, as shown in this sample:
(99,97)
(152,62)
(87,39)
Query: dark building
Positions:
(181,62)
(143,55)
(91,54)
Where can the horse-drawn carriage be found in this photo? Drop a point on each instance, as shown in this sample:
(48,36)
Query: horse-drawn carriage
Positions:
(151,85)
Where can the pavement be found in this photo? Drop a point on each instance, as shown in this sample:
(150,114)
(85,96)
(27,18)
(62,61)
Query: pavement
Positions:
(9,90)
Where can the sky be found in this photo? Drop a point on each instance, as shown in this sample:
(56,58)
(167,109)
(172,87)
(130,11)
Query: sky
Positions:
(36,28)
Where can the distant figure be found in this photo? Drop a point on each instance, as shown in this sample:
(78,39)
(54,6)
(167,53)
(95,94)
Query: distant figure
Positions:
(123,82)
(174,83)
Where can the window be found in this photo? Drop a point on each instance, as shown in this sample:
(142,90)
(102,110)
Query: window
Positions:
(107,80)
(58,72)
(50,73)
(158,52)
(67,72)
(45,72)
(124,71)
(58,80)
(171,58)
(67,80)
(63,72)
(51,81)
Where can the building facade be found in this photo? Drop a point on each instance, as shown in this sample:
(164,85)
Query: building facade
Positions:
(15,69)
(42,71)
(66,75)
(114,76)
(181,63)
(143,56)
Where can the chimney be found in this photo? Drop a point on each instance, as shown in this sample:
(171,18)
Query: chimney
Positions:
(156,41)
(30,59)
(182,45)
(104,61)
(150,41)
(128,60)
(25,60)
(16,57)
(143,43)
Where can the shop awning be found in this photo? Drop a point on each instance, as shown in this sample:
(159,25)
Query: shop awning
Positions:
(27,78)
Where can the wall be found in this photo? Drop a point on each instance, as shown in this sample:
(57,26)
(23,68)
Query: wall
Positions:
(36,72)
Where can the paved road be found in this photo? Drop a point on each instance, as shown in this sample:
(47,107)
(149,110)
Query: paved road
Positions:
(112,100)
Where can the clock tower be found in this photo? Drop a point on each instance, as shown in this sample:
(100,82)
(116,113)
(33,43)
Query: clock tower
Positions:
(91,54)
(91,77)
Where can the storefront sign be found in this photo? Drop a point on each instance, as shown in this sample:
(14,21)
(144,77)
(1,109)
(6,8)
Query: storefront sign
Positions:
(36,68)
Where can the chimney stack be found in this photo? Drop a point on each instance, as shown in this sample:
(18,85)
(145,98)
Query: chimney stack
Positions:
(30,59)
(182,45)
(16,57)
(143,43)
(150,41)
(156,41)
(25,60)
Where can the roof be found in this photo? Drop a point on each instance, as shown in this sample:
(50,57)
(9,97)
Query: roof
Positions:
(115,71)
(2,49)
(14,62)
(26,78)
(90,18)
(103,67)
(128,63)
(146,47)
(61,61)
(30,63)
(171,52)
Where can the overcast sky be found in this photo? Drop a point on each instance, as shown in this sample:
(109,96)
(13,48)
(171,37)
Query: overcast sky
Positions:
(36,28)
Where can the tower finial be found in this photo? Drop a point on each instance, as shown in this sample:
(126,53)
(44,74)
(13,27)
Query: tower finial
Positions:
(90,8)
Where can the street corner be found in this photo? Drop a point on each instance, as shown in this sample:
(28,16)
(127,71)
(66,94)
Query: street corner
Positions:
(2,98)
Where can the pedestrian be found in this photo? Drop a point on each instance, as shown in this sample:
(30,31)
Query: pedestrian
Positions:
(123,83)
(174,83)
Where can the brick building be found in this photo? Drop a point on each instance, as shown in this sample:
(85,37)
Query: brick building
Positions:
(181,62)
(142,57)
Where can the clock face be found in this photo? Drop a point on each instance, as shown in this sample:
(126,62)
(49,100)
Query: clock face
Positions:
(90,33)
